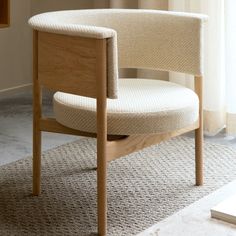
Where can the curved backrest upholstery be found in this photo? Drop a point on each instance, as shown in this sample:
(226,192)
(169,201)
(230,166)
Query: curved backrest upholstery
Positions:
(143,38)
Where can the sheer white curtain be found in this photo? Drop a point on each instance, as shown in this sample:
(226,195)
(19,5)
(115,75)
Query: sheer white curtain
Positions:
(220,62)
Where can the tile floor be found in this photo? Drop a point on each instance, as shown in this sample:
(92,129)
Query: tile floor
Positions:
(16,128)
(195,220)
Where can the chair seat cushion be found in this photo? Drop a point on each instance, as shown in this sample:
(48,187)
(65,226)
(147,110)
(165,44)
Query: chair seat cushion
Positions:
(143,107)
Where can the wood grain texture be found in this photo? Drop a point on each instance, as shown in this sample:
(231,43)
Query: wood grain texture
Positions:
(199,133)
(51,125)
(4,13)
(133,143)
(101,71)
(68,64)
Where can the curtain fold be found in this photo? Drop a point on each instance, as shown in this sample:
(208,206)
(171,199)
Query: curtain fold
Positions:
(220,58)
(230,49)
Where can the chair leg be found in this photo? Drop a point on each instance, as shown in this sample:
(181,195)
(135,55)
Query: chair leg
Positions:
(199,156)
(102,199)
(102,136)
(198,82)
(36,162)
(37,110)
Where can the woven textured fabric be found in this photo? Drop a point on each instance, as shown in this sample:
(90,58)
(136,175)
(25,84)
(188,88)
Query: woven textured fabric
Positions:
(145,38)
(143,107)
(143,188)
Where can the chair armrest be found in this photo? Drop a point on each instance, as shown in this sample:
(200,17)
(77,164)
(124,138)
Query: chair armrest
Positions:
(50,22)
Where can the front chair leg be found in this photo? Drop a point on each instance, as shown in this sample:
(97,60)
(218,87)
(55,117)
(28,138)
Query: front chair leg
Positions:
(102,136)
(101,193)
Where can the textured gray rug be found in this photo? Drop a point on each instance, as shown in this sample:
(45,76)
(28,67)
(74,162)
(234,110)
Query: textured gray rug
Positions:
(143,188)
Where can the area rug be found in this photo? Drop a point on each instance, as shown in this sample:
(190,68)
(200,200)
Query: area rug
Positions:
(143,188)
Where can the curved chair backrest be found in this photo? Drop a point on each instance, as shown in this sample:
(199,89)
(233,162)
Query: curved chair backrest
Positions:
(149,39)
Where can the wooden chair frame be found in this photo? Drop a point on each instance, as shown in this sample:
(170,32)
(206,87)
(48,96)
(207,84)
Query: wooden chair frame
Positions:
(109,147)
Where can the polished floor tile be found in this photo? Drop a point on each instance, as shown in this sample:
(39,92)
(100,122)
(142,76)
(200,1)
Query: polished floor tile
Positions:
(195,220)
(16,128)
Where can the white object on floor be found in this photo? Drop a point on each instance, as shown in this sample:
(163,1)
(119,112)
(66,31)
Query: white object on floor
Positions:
(196,219)
(226,210)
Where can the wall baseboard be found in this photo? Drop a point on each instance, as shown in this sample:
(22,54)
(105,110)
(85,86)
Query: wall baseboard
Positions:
(6,93)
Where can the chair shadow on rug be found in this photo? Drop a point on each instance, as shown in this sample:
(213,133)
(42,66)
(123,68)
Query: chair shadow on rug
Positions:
(75,53)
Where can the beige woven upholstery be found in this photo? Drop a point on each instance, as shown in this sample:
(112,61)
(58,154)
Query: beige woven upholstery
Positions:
(143,107)
(146,38)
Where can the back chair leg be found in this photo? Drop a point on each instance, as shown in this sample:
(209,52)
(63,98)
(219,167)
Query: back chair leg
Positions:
(37,113)
(37,136)
(199,133)
(199,156)
(36,162)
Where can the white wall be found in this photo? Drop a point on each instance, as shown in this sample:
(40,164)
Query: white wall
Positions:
(16,41)
(15,48)
(52,5)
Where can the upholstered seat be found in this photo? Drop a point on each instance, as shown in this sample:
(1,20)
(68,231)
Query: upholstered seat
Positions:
(143,107)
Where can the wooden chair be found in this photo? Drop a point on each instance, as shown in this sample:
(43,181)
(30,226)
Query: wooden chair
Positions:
(79,52)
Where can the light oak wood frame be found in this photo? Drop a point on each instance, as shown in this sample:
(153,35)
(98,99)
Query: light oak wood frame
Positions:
(4,13)
(109,147)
